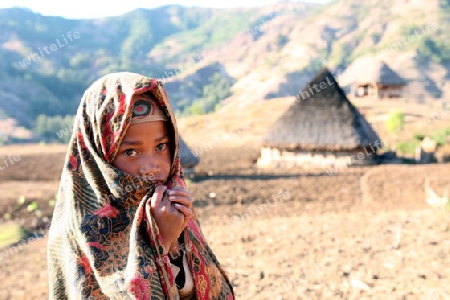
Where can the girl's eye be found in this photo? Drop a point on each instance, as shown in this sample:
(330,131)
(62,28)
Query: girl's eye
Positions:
(161,146)
(130,152)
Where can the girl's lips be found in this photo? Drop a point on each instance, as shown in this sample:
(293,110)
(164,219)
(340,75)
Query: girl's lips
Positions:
(154,179)
(150,178)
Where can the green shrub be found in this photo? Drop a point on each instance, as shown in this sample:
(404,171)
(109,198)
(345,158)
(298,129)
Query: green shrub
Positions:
(441,136)
(408,147)
(418,136)
(395,122)
(282,40)
(217,89)
(54,129)
(10,234)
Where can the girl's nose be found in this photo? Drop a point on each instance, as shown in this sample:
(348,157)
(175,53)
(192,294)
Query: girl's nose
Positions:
(149,169)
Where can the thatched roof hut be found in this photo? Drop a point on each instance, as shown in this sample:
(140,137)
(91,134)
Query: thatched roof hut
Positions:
(380,81)
(321,122)
(379,72)
(187,158)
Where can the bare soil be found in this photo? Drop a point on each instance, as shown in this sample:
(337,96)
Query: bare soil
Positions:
(365,233)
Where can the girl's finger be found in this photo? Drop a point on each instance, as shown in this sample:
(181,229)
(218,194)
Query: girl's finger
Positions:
(171,208)
(157,197)
(177,191)
(182,200)
(184,210)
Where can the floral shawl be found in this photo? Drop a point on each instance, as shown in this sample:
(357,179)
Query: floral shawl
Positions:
(102,242)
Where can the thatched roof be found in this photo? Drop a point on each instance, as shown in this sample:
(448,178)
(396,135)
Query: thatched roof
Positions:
(187,158)
(320,119)
(379,72)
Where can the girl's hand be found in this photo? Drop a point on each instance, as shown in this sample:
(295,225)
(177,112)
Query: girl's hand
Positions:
(181,200)
(169,220)
(171,211)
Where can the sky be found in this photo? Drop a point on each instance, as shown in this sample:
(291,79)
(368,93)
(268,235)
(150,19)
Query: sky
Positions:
(84,9)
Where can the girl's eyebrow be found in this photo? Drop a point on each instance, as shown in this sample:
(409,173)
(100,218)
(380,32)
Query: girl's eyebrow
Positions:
(161,138)
(131,143)
(134,143)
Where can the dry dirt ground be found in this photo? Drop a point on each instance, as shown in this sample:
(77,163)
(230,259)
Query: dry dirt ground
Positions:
(365,233)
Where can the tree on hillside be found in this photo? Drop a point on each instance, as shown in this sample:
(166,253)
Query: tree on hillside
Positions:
(217,89)
(54,129)
(395,123)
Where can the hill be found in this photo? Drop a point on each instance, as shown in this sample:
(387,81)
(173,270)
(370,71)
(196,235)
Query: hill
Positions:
(209,58)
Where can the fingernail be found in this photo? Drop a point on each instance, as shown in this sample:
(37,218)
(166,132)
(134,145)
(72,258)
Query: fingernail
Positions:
(171,198)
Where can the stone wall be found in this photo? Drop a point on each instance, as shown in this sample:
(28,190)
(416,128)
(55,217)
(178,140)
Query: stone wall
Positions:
(273,157)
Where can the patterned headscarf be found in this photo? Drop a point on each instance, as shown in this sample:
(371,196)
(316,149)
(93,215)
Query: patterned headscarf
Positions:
(103,242)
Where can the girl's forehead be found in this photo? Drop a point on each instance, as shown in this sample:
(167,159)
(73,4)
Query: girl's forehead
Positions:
(142,107)
(146,109)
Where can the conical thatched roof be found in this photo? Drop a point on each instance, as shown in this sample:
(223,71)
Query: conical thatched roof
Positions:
(321,118)
(187,158)
(379,72)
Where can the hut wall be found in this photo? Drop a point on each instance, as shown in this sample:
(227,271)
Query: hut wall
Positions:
(362,91)
(390,91)
(363,156)
(379,91)
(273,157)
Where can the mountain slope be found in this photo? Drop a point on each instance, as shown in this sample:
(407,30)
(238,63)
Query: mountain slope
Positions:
(344,32)
(217,57)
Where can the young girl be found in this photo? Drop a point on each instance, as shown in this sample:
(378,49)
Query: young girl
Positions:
(123,225)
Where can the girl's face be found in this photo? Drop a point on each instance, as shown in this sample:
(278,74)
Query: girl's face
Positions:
(145,151)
